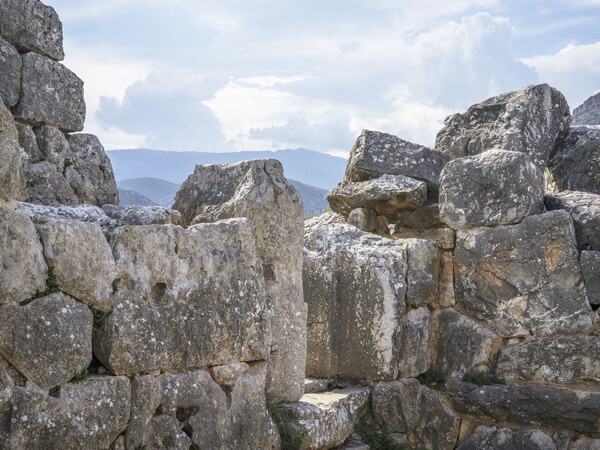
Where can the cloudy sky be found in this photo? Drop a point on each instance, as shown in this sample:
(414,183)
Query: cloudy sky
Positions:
(234,75)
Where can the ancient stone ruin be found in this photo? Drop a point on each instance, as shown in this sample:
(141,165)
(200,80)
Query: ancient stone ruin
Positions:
(450,299)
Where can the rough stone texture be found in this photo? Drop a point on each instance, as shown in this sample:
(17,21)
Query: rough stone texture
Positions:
(533,405)
(90,172)
(385,195)
(422,272)
(558,360)
(12,183)
(50,94)
(143,215)
(10,73)
(523,279)
(585,443)
(314,385)
(81,261)
(590,266)
(22,261)
(187,298)
(575,165)
(146,395)
(446,296)
(258,191)
(53,145)
(327,418)
(424,217)
(46,186)
(492,188)
(48,340)
(84,213)
(226,376)
(32,26)
(354,284)
(88,415)
(493,438)
(585,210)
(463,345)
(405,406)
(364,219)
(28,142)
(415,343)
(443,237)
(375,154)
(314,223)
(528,120)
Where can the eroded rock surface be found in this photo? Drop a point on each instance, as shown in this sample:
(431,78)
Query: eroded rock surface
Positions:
(590,266)
(506,439)
(143,215)
(10,73)
(46,186)
(12,183)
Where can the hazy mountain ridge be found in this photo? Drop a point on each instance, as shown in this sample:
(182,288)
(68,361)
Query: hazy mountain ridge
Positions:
(588,113)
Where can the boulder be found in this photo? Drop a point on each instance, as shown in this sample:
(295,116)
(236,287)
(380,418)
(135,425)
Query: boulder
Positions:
(585,210)
(494,438)
(226,376)
(12,183)
(314,223)
(529,120)
(30,25)
(560,360)
(54,146)
(81,261)
(523,279)
(10,73)
(463,345)
(90,172)
(324,420)
(385,195)
(314,385)
(187,298)
(415,343)
(585,443)
(85,213)
(364,219)
(86,415)
(528,405)
(146,395)
(46,186)
(50,94)
(28,142)
(495,187)
(376,154)
(143,215)
(407,407)
(354,284)
(422,273)
(24,270)
(443,237)
(48,340)
(258,191)
(575,165)
(590,266)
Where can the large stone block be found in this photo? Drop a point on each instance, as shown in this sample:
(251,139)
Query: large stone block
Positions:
(354,284)
(258,191)
(523,279)
(12,182)
(187,298)
(24,270)
(414,354)
(376,154)
(534,405)
(32,26)
(422,273)
(81,261)
(46,186)
(407,407)
(560,360)
(48,340)
(590,266)
(89,171)
(84,213)
(507,439)
(10,73)
(492,188)
(314,223)
(528,120)
(28,142)
(50,94)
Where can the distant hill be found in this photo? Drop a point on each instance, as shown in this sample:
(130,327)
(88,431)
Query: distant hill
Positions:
(162,192)
(132,198)
(588,113)
(307,166)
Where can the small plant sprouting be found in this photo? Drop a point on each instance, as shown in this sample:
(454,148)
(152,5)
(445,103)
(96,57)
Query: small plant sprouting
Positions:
(291,435)
(482,378)
(99,319)
(51,288)
(432,375)
(379,440)
(79,378)
(54,392)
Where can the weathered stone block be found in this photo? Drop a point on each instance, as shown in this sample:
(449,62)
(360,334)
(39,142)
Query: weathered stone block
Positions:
(314,223)
(415,343)
(443,237)
(523,279)
(422,272)
(50,94)
(46,186)
(590,266)
(83,213)
(528,120)
(364,219)
(54,146)
(28,142)
(226,376)
(507,439)
(493,188)
(12,183)
(143,215)
(10,73)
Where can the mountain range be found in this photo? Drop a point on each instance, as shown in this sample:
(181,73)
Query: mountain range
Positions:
(588,113)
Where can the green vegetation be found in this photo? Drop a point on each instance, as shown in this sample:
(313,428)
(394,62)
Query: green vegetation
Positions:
(328,209)
(379,440)
(99,319)
(54,392)
(291,435)
(433,375)
(482,378)
(51,288)
(79,378)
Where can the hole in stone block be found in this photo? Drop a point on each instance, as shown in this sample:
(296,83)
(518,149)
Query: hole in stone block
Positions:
(183,414)
(158,291)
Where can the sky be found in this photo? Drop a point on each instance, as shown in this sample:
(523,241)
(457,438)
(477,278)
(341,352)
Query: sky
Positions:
(232,75)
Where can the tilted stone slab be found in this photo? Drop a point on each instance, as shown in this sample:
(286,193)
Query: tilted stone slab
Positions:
(187,298)
(529,120)
(585,210)
(534,405)
(12,182)
(375,154)
(385,195)
(32,26)
(407,407)
(50,94)
(496,187)
(258,191)
(523,279)
(48,340)
(507,439)
(560,360)
(86,415)
(590,266)
(10,73)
